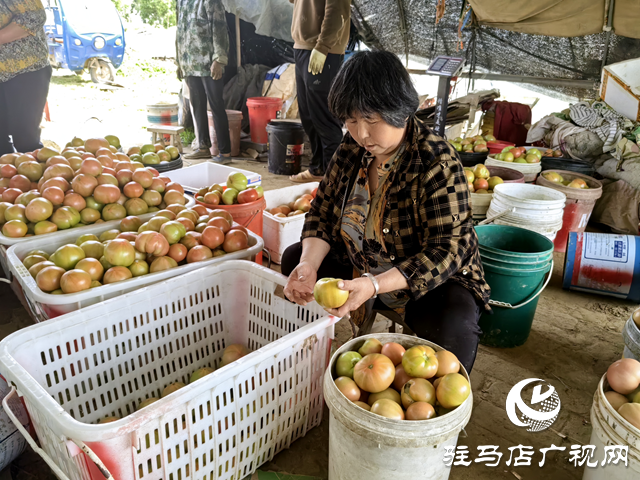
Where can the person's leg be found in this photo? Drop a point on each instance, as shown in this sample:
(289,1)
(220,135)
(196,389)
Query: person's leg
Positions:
(327,126)
(329,267)
(448,316)
(198,100)
(214,89)
(24,99)
(316,166)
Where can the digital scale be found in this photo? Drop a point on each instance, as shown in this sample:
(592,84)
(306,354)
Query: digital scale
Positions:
(446,68)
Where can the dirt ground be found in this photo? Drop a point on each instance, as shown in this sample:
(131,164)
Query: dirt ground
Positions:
(574,338)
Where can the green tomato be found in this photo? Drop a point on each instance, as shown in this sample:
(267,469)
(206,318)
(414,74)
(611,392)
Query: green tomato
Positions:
(346,362)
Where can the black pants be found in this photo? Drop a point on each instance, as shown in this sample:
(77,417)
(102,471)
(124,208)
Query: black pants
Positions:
(202,89)
(447,315)
(322,128)
(22,101)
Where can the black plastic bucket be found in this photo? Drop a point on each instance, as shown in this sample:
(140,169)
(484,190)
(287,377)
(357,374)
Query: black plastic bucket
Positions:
(578,166)
(286,146)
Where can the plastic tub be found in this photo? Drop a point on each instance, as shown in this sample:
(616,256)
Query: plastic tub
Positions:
(568,164)
(529,170)
(602,263)
(578,207)
(481,201)
(609,428)
(261,111)
(163,114)
(45,306)
(248,215)
(631,336)
(366,446)
(537,208)
(223,426)
(498,145)
(235,128)
(286,146)
(206,174)
(280,233)
(472,159)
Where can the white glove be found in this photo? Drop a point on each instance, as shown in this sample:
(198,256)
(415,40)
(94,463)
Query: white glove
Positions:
(316,62)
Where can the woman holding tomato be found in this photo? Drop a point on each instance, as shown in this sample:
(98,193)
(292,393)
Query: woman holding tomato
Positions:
(392,216)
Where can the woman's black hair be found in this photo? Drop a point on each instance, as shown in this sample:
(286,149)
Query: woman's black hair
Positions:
(370,83)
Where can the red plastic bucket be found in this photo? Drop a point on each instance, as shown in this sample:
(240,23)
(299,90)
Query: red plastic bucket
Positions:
(248,215)
(577,208)
(261,111)
(498,145)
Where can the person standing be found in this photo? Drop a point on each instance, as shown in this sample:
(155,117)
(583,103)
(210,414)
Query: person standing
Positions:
(25,74)
(320,29)
(202,44)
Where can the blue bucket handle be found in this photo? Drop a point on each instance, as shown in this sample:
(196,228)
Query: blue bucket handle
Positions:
(496,303)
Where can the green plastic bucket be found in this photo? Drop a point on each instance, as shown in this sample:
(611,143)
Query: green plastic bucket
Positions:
(515,263)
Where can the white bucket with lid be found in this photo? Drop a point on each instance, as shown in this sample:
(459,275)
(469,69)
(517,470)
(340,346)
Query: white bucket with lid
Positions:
(609,428)
(532,207)
(366,446)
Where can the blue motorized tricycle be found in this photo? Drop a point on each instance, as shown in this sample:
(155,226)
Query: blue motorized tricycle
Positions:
(85,35)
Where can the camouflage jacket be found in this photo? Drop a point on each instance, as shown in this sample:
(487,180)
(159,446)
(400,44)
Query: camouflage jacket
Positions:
(201,36)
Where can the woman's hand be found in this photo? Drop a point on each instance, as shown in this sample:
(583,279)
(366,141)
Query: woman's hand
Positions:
(360,290)
(299,288)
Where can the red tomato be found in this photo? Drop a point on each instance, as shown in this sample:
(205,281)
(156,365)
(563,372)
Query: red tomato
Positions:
(348,388)
(374,373)
(420,411)
(401,378)
(394,351)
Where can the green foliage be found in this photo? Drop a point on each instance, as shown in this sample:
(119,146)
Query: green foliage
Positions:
(156,12)
(188,136)
(153,12)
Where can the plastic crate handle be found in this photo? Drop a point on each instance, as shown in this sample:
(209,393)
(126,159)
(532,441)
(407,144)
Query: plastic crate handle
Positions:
(45,456)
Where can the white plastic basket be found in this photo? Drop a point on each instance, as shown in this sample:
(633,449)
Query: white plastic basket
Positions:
(44,306)
(105,359)
(6,242)
(280,233)
(206,174)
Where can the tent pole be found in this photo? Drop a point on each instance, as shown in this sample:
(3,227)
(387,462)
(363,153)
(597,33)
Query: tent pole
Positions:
(607,28)
(565,82)
(238,40)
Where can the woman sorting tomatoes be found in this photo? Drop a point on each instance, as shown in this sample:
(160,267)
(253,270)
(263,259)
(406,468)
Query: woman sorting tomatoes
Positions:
(392,216)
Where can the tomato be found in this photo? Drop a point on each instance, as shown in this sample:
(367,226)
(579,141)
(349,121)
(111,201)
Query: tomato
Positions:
(348,388)
(364,396)
(623,375)
(388,408)
(631,413)
(363,405)
(346,362)
(420,411)
(418,390)
(389,394)
(401,378)
(420,362)
(453,390)
(436,382)
(327,293)
(370,346)
(374,373)
(615,399)
(447,363)
(394,351)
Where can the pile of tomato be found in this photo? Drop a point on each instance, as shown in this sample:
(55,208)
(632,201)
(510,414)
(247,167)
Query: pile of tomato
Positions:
(414,384)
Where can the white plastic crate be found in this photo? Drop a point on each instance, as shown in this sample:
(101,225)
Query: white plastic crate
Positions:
(280,233)
(206,174)
(104,359)
(44,305)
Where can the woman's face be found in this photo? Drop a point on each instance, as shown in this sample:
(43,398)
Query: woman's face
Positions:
(374,134)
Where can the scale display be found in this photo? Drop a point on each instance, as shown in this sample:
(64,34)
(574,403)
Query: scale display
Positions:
(446,66)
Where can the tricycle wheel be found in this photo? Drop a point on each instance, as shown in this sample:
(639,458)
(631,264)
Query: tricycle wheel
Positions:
(102,72)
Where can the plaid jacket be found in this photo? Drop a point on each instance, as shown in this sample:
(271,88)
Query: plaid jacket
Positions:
(428,224)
